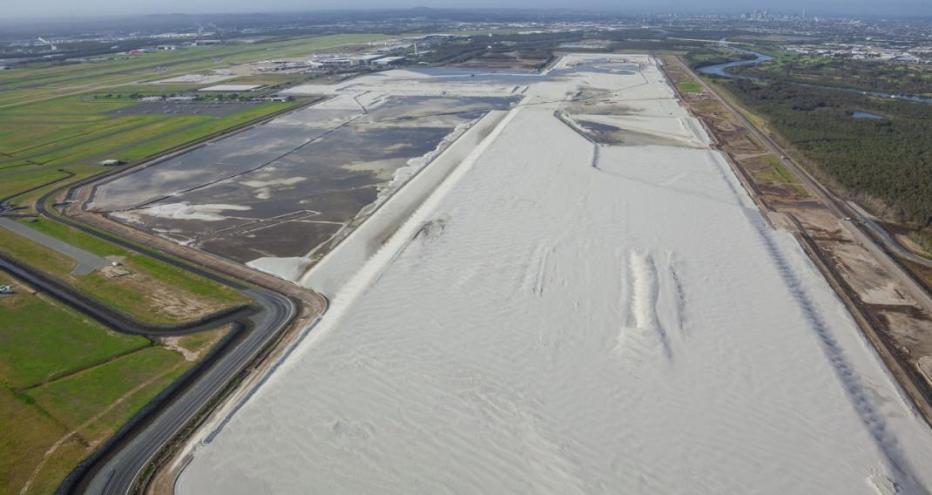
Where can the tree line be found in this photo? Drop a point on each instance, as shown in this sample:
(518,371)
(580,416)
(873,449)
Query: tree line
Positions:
(889,158)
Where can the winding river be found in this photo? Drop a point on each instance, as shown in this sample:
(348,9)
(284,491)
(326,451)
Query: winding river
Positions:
(723,70)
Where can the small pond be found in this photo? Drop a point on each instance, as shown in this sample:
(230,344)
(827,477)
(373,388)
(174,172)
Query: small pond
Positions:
(866,116)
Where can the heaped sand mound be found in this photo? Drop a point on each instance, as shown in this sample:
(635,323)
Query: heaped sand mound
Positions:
(566,317)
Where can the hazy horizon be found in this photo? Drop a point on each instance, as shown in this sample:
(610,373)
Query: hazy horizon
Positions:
(58,9)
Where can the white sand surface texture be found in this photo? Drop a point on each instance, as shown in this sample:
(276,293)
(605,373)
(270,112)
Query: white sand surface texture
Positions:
(561,317)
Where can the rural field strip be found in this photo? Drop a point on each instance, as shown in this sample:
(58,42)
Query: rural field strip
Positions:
(86,262)
(70,91)
(117,474)
(113,405)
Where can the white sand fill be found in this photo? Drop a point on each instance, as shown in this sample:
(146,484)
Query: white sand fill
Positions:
(556,321)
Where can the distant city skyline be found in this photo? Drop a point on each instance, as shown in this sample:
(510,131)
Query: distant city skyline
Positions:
(92,8)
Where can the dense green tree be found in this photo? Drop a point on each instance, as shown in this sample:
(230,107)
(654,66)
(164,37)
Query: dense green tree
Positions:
(889,158)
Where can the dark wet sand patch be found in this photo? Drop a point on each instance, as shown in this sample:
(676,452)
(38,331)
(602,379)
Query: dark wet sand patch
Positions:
(292,176)
(284,239)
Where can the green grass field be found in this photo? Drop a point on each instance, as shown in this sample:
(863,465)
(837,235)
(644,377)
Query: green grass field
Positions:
(34,255)
(158,270)
(154,292)
(51,142)
(689,87)
(62,374)
(41,340)
(22,446)
(66,382)
(39,83)
(75,237)
(42,143)
(94,402)
(56,119)
(776,173)
(46,144)
(79,398)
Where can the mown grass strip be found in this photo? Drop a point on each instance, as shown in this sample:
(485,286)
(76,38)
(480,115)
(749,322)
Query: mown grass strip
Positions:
(77,398)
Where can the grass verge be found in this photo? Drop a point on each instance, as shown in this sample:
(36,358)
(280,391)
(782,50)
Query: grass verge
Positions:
(150,291)
(67,383)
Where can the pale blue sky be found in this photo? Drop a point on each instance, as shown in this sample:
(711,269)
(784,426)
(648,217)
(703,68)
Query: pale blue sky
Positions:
(86,8)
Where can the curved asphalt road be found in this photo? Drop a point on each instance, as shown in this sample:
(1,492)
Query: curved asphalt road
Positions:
(119,462)
(114,319)
(117,472)
(116,467)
